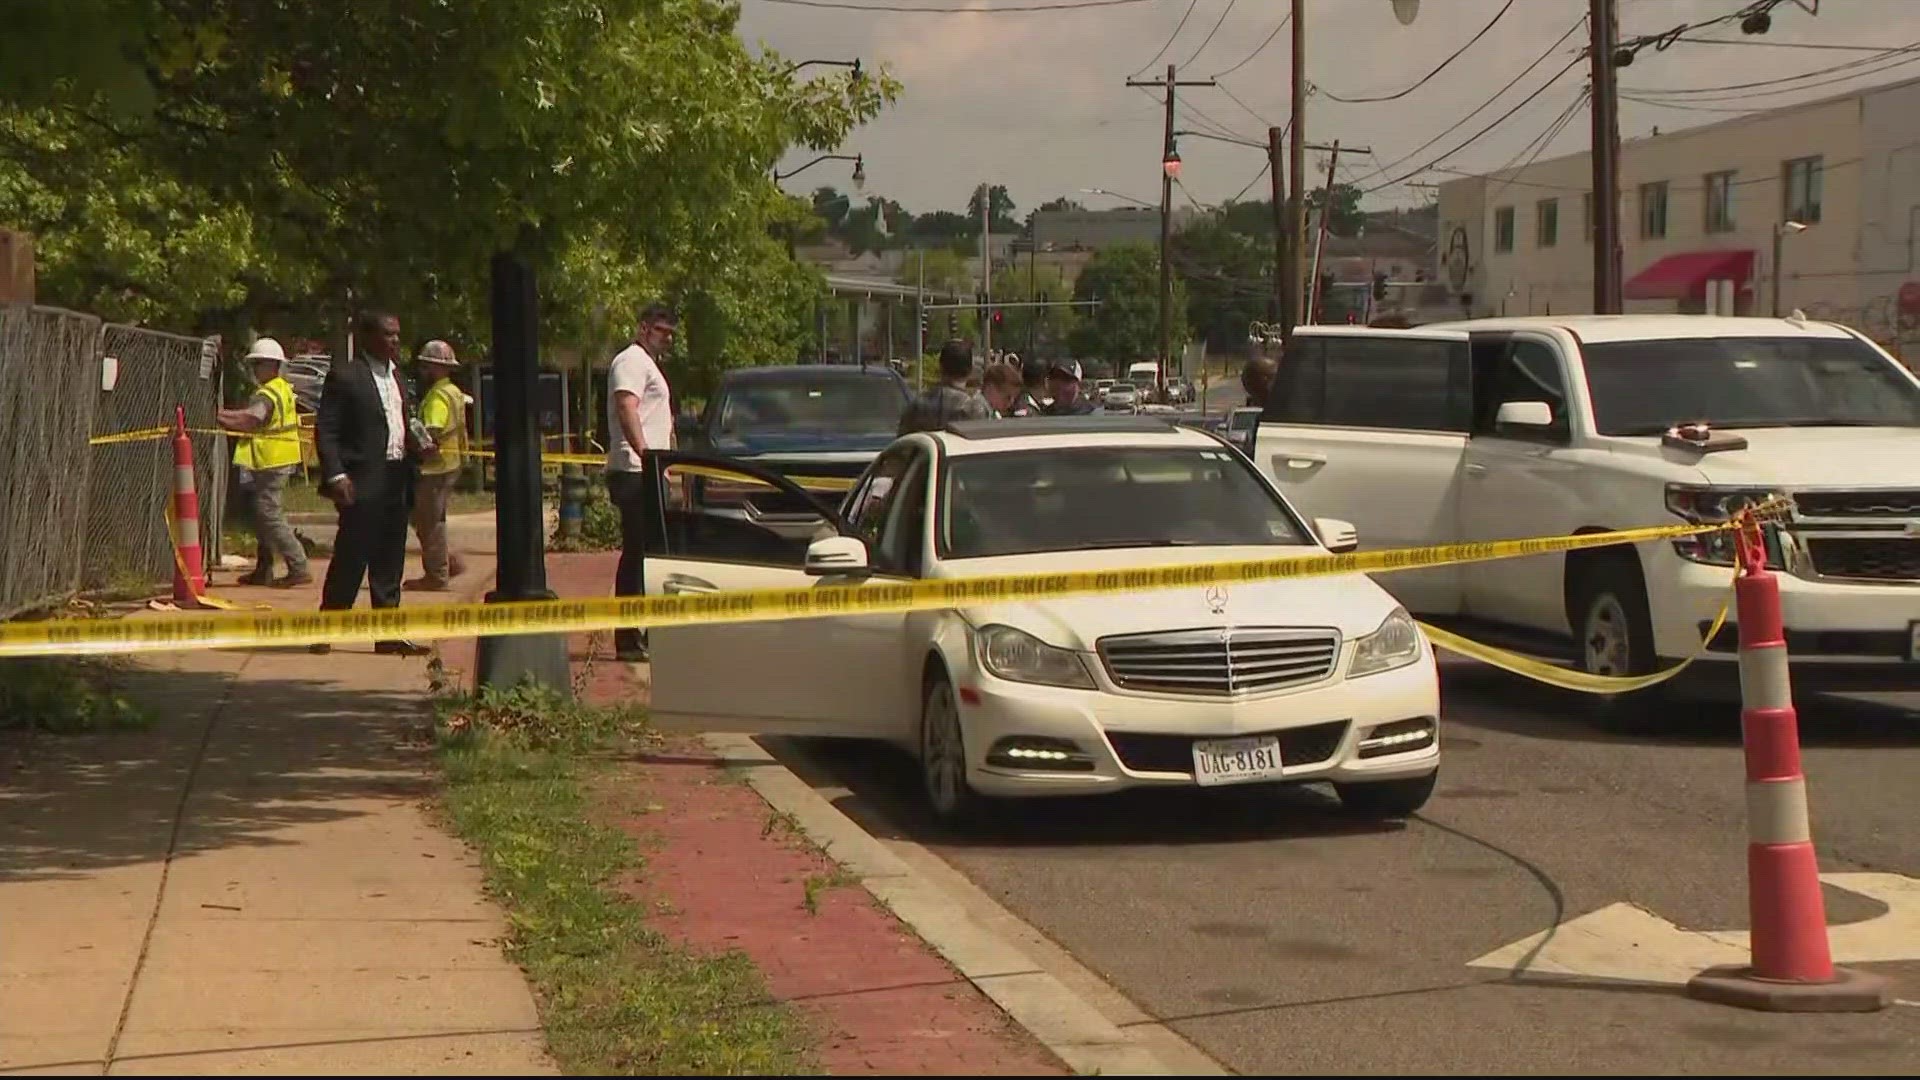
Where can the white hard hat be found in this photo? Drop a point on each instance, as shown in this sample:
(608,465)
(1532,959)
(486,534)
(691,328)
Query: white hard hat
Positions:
(267,348)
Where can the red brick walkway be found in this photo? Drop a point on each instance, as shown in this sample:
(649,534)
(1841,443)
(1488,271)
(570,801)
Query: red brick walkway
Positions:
(723,873)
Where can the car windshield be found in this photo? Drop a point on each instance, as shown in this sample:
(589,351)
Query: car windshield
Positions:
(1645,387)
(868,406)
(1026,501)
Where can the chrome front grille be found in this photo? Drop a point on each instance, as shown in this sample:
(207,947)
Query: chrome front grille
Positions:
(1858,504)
(1228,660)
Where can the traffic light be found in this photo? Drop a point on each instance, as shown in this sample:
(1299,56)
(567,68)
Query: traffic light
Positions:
(1380,286)
(924,327)
(999,318)
(953,324)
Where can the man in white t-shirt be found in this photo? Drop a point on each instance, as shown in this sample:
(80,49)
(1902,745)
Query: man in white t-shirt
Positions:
(639,418)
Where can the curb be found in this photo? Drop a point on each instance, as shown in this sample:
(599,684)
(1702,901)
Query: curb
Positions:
(1066,1023)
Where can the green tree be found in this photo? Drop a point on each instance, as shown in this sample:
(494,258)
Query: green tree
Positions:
(1346,218)
(832,207)
(1126,325)
(1229,281)
(999,204)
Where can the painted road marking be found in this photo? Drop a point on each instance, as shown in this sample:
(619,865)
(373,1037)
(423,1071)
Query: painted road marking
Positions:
(1628,943)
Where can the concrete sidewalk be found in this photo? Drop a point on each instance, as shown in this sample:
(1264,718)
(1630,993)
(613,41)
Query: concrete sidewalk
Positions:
(254,885)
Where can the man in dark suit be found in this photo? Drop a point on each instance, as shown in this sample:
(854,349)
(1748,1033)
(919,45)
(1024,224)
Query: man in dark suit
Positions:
(369,458)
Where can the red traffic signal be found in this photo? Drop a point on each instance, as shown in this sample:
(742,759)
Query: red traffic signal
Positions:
(998,317)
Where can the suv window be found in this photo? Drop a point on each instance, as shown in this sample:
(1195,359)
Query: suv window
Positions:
(1397,383)
(867,509)
(1519,371)
(903,534)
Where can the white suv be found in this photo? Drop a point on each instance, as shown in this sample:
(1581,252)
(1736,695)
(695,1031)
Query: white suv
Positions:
(1502,428)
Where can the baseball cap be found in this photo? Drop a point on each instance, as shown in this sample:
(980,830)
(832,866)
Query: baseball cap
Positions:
(1069,368)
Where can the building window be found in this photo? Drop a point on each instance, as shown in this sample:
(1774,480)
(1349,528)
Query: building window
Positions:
(1547,222)
(1720,202)
(1802,183)
(1503,229)
(1653,211)
(1586,215)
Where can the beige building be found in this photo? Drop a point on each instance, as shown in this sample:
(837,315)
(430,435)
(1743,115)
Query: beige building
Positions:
(1702,206)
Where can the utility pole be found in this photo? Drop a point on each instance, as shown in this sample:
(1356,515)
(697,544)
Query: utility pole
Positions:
(1607,255)
(1297,169)
(1169,168)
(986,269)
(919,323)
(1282,312)
(1326,216)
(1033,270)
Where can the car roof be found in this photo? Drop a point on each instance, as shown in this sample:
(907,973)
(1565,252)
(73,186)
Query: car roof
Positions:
(1604,328)
(965,437)
(809,373)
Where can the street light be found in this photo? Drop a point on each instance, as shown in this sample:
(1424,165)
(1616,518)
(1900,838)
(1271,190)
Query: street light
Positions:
(853,63)
(1171,164)
(1780,232)
(1406,11)
(1118,195)
(859,168)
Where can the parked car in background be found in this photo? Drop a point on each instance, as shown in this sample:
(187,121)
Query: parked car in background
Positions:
(1122,398)
(824,421)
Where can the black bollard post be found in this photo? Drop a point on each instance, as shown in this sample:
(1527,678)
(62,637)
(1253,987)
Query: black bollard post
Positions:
(519,518)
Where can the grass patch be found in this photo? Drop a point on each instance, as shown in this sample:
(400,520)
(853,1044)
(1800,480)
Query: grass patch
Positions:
(65,696)
(837,878)
(616,997)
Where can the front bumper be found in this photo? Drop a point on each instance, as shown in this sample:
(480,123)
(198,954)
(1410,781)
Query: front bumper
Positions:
(1852,634)
(1144,740)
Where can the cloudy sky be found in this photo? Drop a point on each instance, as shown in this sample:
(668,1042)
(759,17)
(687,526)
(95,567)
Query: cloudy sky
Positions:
(1038,101)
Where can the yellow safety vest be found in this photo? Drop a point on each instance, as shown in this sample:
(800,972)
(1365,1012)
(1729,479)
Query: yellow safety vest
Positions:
(445,407)
(276,446)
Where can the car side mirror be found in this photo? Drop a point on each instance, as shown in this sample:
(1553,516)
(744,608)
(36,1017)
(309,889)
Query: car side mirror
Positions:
(1337,536)
(1534,414)
(837,555)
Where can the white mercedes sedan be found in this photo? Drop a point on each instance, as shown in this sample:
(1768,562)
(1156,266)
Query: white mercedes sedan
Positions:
(1318,679)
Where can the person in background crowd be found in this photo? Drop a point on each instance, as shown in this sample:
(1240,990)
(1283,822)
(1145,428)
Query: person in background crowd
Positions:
(950,400)
(267,451)
(1063,384)
(1257,379)
(639,419)
(1000,386)
(1032,399)
(369,456)
(443,409)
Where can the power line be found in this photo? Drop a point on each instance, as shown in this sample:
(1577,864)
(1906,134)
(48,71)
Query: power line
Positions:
(1013,9)
(1541,142)
(1884,54)
(1257,177)
(1249,109)
(1224,12)
(1497,121)
(1171,38)
(1836,47)
(1475,111)
(1262,47)
(1491,23)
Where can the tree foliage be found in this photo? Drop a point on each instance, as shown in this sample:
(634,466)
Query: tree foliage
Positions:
(1346,218)
(1126,325)
(311,149)
(1229,281)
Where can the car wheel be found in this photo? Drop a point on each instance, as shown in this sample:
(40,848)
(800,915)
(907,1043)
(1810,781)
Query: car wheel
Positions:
(1614,630)
(1391,798)
(943,759)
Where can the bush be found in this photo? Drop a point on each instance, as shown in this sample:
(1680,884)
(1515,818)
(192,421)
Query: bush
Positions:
(529,716)
(599,525)
(63,696)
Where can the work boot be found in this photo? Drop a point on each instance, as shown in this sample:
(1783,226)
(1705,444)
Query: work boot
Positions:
(261,575)
(426,584)
(456,565)
(400,648)
(293,580)
(630,647)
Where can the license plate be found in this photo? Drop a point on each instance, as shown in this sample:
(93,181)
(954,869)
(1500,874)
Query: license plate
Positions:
(1235,761)
(1913,642)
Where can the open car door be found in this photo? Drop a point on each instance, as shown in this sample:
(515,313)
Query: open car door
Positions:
(722,525)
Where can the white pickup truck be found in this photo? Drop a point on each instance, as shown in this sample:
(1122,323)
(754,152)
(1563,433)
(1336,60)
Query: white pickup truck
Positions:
(1500,428)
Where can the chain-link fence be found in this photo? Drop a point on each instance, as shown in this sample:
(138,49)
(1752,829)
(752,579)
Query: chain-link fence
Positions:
(75,517)
(132,483)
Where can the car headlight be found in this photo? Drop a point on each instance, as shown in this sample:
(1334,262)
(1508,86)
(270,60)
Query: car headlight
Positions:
(1704,505)
(1018,656)
(1394,645)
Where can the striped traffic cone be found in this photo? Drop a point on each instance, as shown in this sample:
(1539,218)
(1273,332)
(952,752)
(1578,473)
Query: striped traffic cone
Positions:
(1792,962)
(189,572)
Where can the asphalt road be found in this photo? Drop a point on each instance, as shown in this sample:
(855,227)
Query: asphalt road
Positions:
(1281,935)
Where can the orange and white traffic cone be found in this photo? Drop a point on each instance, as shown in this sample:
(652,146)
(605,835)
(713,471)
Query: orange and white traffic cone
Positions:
(189,572)
(1792,967)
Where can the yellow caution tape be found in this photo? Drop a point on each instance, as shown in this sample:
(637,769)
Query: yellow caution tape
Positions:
(239,630)
(142,435)
(1569,678)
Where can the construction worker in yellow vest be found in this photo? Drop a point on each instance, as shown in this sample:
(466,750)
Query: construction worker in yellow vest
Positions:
(267,451)
(443,412)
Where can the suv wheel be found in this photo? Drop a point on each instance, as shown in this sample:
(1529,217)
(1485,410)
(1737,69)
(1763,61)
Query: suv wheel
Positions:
(1614,630)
